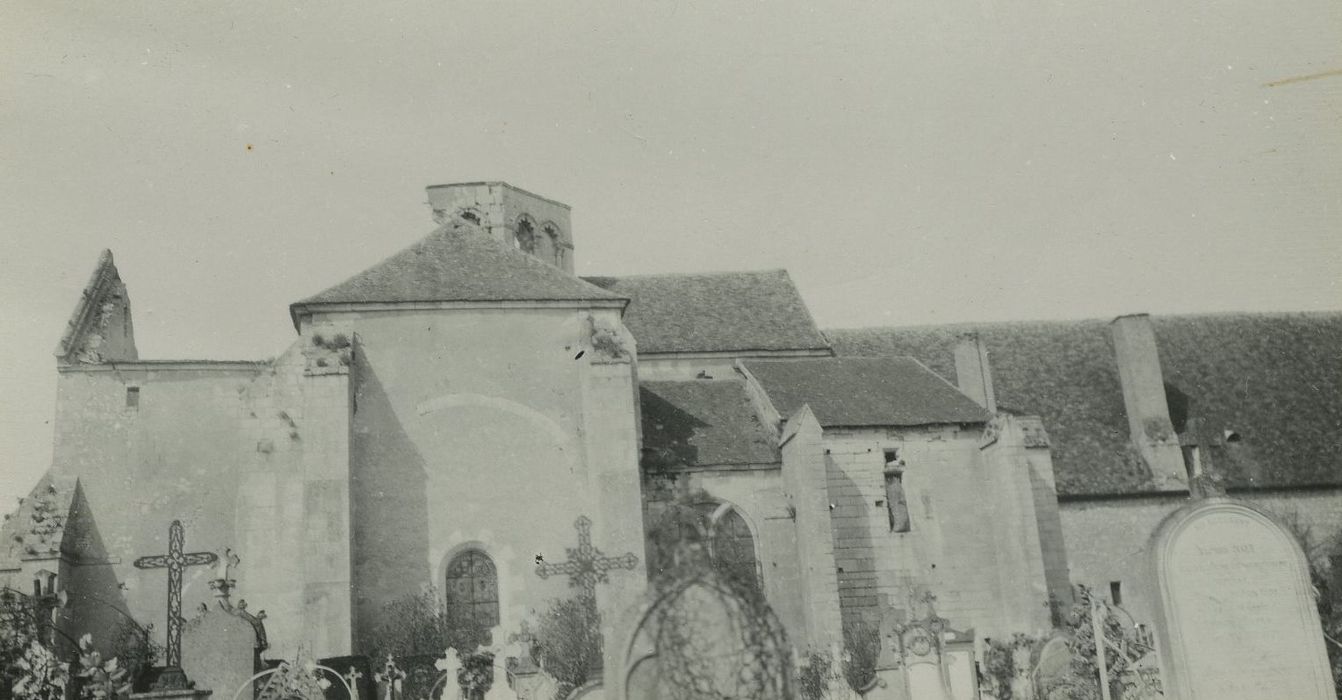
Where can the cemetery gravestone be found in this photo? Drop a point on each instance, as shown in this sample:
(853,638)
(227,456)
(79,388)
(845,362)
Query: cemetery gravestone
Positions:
(891,683)
(1239,620)
(222,644)
(221,649)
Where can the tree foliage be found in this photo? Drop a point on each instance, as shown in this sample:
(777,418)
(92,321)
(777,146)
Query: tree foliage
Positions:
(1325,572)
(135,648)
(420,624)
(18,630)
(568,641)
(476,675)
(862,644)
(1124,649)
(813,676)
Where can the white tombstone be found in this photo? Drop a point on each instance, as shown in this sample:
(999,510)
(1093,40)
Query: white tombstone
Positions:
(1237,617)
(449,665)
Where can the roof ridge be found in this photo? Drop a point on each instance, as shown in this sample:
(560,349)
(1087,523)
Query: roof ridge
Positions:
(707,380)
(1326,313)
(711,273)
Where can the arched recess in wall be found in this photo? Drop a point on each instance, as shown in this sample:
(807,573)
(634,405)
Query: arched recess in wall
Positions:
(720,527)
(524,235)
(554,239)
(471,214)
(477,402)
(471,595)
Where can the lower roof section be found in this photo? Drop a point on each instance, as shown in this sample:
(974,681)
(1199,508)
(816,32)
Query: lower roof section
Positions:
(704,423)
(864,392)
(720,312)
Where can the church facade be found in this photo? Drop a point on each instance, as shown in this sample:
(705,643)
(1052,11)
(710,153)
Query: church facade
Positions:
(469,417)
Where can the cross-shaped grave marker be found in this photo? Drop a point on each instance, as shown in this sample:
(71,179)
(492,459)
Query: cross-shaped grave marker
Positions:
(175,561)
(352,679)
(586,565)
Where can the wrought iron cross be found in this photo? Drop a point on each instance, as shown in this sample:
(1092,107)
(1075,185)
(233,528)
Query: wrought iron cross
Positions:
(175,561)
(586,565)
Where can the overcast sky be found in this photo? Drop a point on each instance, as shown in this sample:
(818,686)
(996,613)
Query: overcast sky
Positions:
(909,163)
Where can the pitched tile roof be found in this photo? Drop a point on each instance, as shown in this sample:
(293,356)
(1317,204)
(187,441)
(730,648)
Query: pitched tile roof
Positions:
(1274,379)
(703,423)
(460,262)
(864,391)
(715,312)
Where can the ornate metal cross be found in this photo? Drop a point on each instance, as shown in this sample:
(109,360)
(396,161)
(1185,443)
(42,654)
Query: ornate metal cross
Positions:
(586,565)
(175,561)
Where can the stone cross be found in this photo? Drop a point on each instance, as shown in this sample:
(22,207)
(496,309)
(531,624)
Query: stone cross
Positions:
(448,667)
(586,565)
(390,678)
(352,678)
(175,561)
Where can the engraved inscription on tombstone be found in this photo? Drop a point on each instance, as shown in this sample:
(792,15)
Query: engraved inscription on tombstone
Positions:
(1239,618)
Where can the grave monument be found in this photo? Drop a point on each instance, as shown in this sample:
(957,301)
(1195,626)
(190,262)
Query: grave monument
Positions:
(1237,618)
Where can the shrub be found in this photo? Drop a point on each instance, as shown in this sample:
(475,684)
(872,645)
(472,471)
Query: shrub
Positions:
(863,643)
(419,624)
(568,642)
(813,676)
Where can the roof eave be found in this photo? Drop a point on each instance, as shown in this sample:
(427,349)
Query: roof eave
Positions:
(303,308)
(882,426)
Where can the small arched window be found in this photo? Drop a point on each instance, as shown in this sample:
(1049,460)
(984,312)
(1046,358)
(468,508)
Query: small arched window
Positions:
(472,592)
(552,234)
(525,238)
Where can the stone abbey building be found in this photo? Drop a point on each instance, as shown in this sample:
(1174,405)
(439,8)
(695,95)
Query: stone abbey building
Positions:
(465,413)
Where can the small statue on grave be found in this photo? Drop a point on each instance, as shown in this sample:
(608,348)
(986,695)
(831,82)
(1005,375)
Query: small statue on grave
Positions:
(223,581)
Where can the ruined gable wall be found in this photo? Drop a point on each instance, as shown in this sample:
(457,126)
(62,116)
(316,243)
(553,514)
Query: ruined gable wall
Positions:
(238,452)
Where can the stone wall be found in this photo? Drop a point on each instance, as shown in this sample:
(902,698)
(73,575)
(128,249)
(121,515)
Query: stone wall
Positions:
(1107,540)
(758,495)
(805,481)
(172,455)
(250,456)
(964,510)
(492,429)
(498,207)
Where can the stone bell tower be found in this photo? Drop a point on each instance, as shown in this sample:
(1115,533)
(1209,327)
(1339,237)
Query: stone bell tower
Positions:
(531,223)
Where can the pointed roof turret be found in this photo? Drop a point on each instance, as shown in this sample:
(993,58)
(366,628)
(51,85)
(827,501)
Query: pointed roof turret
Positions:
(458,262)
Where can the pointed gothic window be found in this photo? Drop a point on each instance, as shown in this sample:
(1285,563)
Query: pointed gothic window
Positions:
(719,527)
(733,548)
(472,592)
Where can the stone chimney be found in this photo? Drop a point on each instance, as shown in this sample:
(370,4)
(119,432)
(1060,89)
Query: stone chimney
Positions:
(972,371)
(529,222)
(1148,410)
